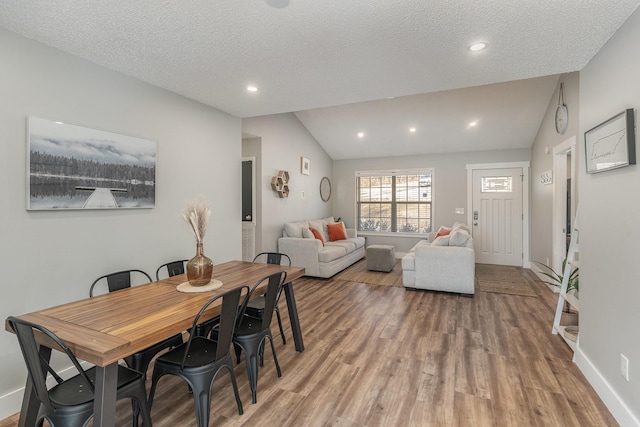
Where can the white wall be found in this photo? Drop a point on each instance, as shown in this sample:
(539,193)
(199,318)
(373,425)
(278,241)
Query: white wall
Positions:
(609,231)
(450,185)
(284,141)
(542,195)
(51,257)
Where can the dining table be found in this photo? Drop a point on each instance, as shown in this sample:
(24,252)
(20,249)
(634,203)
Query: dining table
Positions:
(105,329)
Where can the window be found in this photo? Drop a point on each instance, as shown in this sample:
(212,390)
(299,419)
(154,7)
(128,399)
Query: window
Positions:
(394,201)
(496,184)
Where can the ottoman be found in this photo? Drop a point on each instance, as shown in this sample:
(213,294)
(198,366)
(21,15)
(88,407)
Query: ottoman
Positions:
(380,258)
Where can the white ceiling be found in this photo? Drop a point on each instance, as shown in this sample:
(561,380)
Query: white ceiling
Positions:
(314,57)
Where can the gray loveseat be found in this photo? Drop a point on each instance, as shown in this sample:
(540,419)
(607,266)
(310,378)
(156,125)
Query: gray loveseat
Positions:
(319,260)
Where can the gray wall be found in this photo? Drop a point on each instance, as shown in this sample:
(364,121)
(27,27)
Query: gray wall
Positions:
(609,226)
(450,185)
(51,257)
(283,141)
(542,195)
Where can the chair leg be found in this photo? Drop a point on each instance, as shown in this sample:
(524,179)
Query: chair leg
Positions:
(136,412)
(140,402)
(235,388)
(284,340)
(203,407)
(275,358)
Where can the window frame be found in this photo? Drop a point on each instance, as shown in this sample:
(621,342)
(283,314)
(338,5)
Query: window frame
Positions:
(395,203)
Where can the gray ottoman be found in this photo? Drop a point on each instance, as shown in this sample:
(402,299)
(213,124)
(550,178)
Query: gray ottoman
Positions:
(381,258)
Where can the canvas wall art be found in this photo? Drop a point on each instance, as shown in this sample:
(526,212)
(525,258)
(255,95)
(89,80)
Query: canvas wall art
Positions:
(73,167)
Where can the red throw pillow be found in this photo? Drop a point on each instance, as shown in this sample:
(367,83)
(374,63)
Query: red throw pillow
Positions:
(337,231)
(317,234)
(443,231)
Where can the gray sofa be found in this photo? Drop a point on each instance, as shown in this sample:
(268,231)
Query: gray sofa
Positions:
(308,252)
(447,264)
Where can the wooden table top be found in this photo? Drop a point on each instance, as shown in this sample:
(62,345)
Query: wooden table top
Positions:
(106,328)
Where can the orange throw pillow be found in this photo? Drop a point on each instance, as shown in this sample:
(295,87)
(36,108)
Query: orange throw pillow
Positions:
(337,231)
(317,234)
(443,232)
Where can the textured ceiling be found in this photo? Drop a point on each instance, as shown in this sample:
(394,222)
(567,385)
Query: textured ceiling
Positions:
(306,54)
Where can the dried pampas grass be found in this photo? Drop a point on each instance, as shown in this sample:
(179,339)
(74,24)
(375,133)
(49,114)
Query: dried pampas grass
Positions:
(197,216)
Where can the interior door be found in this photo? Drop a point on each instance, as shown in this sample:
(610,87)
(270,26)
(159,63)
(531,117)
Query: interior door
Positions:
(497,216)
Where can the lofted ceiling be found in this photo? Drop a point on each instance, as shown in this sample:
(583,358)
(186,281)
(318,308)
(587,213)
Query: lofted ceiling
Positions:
(374,66)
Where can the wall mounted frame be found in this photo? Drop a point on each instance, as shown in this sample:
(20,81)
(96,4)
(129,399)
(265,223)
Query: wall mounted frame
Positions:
(611,144)
(73,167)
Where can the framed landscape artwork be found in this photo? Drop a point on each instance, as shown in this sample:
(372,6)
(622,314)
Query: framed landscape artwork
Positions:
(611,144)
(73,167)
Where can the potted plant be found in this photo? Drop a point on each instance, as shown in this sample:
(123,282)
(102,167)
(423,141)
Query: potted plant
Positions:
(570,317)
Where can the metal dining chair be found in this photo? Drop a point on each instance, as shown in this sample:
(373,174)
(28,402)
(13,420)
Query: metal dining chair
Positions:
(255,308)
(69,403)
(251,333)
(172,268)
(141,360)
(200,359)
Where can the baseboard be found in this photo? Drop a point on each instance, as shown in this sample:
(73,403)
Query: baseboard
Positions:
(10,403)
(612,401)
(533,267)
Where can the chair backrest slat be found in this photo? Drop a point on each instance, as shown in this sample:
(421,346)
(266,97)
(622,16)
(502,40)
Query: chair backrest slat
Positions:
(173,268)
(276,281)
(118,280)
(226,327)
(273,258)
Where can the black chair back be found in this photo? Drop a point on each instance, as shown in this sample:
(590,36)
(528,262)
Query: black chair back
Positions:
(173,268)
(118,280)
(228,318)
(273,258)
(274,285)
(37,366)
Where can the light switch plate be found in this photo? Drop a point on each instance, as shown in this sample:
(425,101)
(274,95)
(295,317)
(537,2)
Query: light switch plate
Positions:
(459,211)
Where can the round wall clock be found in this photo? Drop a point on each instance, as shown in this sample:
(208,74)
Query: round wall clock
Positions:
(562,113)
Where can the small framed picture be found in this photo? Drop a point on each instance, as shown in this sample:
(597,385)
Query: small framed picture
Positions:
(611,144)
(305,166)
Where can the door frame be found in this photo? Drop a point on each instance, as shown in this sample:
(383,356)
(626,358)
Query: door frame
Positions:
(558,222)
(525,199)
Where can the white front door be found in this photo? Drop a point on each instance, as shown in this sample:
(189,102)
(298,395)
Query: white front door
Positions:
(497,219)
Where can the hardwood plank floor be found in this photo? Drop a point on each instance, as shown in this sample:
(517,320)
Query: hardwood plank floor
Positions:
(386,356)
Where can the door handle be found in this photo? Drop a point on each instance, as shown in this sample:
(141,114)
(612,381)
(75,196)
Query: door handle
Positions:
(475,223)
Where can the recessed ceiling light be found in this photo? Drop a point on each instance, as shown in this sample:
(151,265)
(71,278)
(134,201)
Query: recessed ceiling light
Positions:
(360,134)
(60,123)
(473,123)
(478,46)
(252,88)
(412,130)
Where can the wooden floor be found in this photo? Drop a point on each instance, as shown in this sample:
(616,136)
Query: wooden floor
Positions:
(386,356)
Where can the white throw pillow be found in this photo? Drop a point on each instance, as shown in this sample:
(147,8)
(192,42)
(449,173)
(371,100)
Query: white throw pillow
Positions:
(441,241)
(329,220)
(458,237)
(461,226)
(294,229)
(307,234)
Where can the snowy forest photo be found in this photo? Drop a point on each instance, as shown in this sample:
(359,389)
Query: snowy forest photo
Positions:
(71,167)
